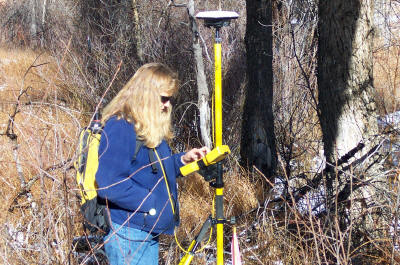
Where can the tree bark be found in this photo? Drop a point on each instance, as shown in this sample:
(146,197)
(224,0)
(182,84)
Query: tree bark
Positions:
(258,136)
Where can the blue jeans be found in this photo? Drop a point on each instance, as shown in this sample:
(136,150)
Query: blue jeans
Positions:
(125,245)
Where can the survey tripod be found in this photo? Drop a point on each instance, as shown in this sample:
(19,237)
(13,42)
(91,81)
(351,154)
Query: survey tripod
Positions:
(216,20)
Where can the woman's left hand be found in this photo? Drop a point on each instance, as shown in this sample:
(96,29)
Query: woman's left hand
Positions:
(195,154)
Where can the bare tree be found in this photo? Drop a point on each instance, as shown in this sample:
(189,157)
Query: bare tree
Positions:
(347,108)
(348,112)
(203,95)
(138,32)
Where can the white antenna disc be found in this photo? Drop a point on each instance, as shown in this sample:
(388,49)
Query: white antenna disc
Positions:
(217,15)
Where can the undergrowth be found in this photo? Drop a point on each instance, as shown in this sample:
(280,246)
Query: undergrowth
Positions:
(48,95)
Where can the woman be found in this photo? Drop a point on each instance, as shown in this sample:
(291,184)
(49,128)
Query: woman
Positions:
(140,191)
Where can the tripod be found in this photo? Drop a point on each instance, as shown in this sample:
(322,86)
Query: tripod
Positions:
(216,20)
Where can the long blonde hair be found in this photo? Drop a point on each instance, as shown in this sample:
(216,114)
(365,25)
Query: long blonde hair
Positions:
(139,102)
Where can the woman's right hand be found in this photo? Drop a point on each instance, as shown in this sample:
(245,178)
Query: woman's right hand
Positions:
(194,154)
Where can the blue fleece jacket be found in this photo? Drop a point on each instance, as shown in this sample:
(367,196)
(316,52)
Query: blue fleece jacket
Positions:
(133,191)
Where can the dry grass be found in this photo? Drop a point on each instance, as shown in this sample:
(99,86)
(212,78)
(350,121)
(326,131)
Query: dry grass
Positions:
(387,57)
(387,77)
(35,219)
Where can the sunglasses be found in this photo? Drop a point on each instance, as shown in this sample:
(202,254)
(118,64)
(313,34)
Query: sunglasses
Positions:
(165,99)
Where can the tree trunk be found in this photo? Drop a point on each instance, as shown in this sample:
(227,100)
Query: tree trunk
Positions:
(33,29)
(138,33)
(202,89)
(345,81)
(43,23)
(348,116)
(258,137)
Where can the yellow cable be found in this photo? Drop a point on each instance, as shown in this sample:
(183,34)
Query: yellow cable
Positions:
(166,181)
(179,245)
(198,251)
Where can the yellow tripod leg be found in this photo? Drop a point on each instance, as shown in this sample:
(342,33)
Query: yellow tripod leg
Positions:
(187,259)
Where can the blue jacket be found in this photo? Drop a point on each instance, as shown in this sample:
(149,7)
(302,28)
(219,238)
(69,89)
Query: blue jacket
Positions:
(133,191)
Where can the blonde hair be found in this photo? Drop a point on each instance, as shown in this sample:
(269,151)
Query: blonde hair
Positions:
(139,102)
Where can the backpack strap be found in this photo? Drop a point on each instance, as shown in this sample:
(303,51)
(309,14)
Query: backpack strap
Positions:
(84,154)
(139,144)
(153,159)
(82,161)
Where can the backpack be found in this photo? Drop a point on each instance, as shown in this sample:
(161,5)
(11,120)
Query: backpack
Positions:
(94,208)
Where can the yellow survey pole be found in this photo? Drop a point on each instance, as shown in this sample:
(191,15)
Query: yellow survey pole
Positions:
(219,185)
(218,91)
